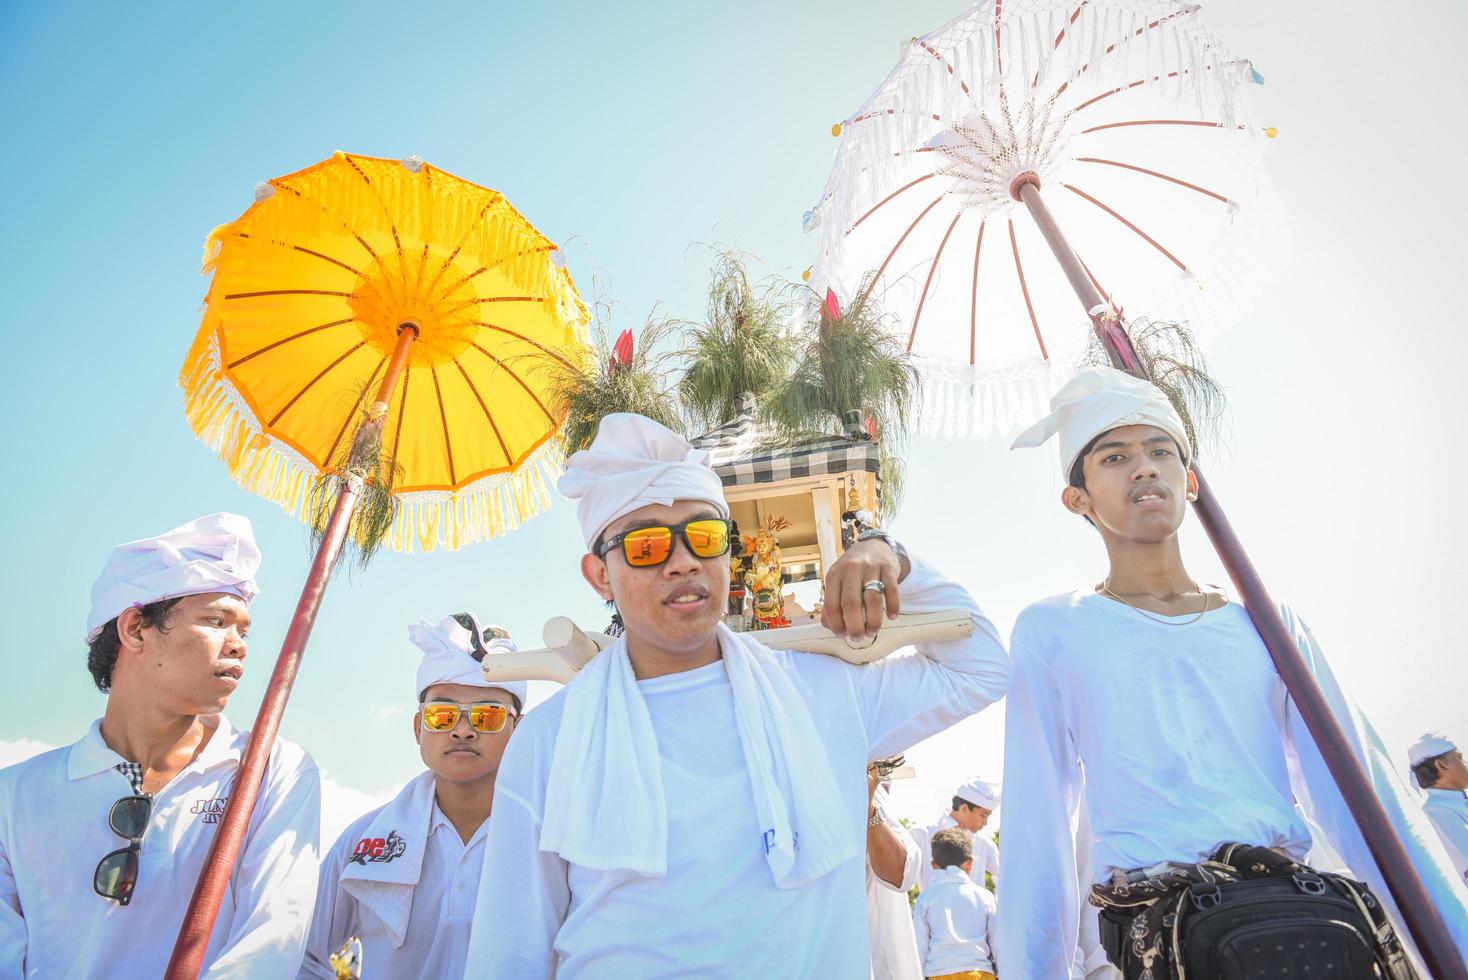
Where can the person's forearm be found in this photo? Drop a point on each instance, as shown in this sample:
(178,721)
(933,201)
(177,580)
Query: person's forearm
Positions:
(886,854)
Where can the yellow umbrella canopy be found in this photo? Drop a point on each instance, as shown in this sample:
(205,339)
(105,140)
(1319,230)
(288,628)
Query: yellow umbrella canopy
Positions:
(311,287)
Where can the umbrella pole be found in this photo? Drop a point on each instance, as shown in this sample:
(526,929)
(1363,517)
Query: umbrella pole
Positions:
(198,923)
(1422,917)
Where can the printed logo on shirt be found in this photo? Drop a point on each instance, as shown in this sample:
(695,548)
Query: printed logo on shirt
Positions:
(212,809)
(379,849)
(769,839)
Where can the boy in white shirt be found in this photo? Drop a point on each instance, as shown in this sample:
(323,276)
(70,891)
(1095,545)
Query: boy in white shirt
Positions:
(404,877)
(1438,767)
(1151,700)
(953,917)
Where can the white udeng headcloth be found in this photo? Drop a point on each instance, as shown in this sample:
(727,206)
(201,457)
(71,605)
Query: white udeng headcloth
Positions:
(634,462)
(979,793)
(216,553)
(1097,400)
(447,657)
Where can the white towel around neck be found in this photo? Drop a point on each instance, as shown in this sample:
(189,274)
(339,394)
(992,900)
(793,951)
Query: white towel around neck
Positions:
(604,803)
(385,885)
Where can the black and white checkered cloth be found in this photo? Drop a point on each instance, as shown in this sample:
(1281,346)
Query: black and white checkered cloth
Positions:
(739,455)
(134,773)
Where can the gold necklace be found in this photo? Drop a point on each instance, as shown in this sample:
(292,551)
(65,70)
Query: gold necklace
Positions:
(1207,602)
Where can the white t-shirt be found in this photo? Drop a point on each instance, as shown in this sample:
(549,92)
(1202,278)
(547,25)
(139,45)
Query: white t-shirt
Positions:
(717,912)
(1187,741)
(442,904)
(54,830)
(954,922)
(986,853)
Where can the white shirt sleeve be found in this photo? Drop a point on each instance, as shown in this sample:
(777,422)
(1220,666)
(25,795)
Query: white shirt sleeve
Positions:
(335,916)
(12,923)
(274,884)
(905,698)
(1037,932)
(1323,803)
(920,931)
(523,894)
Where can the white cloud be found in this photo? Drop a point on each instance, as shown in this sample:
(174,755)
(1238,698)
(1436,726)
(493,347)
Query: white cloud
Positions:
(389,711)
(340,805)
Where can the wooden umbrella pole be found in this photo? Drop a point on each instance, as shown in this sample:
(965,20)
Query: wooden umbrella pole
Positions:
(1422,917)
(198,922)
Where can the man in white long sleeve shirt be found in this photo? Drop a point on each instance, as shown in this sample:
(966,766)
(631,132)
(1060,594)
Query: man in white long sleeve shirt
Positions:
(1438,767)
(101,842)
(974,802)
(693,804)
(892,868)
(403,878)
(1161,692)
(955,918)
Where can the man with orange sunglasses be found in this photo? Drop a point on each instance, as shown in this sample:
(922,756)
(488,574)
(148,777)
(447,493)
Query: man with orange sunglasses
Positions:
(403,878)
(694,804)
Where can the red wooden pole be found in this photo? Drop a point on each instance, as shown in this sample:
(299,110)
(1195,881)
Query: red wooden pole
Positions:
(1423,920)
(198,923)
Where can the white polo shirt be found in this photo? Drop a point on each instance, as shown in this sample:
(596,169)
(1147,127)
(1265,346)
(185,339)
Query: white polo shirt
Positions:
(53,831)
(416,925)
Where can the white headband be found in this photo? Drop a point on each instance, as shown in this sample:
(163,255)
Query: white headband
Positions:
(448,657)
(979,793)
(634,462)
(1098,400)
(216,553)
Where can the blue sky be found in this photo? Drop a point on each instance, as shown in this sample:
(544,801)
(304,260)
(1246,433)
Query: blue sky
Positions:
(628,133)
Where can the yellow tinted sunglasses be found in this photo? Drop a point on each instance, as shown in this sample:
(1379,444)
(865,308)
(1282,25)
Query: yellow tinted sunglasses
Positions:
(645,547)
(484,716)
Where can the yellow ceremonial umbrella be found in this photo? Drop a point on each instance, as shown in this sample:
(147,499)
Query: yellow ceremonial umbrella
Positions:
(312,287)
(373,358)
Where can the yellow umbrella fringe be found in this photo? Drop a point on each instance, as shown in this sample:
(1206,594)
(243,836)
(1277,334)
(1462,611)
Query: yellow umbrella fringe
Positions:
(262,465)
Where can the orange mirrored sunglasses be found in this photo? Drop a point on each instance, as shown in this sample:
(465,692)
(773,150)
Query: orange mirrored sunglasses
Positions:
(645,547)
(485,716)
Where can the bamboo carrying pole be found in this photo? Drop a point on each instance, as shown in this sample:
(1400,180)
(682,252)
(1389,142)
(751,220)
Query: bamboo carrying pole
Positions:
(198,923)
(1423,920)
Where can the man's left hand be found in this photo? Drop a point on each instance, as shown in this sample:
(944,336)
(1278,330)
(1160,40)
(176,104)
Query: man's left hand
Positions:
(850,607)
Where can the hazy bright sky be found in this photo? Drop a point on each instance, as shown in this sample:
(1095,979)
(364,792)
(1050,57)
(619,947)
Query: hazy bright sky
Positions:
(627,132)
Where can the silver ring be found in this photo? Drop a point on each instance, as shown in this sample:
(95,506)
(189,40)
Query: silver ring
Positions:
(875,585)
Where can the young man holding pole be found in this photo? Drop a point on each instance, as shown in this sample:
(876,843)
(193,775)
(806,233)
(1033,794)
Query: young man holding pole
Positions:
(101,842)
(403,878)
(1162,694)
(693,803)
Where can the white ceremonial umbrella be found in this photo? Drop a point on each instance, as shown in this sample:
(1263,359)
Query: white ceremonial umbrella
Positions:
(1133,119)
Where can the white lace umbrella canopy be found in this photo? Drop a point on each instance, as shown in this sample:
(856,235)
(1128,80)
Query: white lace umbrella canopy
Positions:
(1134,119)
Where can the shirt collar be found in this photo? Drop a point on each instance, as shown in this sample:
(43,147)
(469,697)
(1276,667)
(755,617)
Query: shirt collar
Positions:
(437,820)
(90,755)
(957,875)
(1453,795)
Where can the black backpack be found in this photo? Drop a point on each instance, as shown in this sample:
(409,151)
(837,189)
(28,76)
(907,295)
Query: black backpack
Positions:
(1304,925)
(1323,927)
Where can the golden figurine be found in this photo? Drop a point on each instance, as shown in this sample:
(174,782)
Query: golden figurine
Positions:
(347,961)
(765,576)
